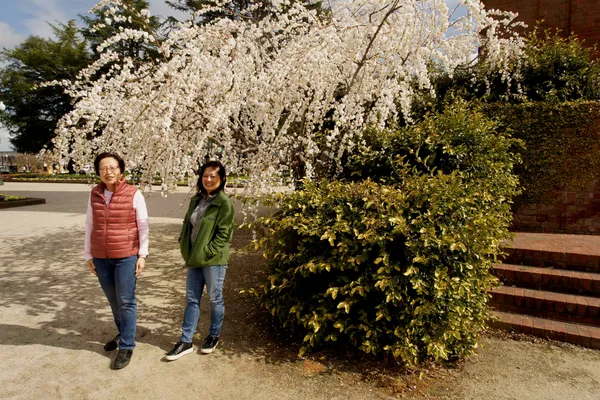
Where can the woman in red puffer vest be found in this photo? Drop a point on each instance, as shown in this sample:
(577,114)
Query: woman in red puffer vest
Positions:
(116,247)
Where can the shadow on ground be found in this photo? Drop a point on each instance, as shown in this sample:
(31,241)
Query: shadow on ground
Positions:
(45,276)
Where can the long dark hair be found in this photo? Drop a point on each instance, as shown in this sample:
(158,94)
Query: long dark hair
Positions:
(221,171)
(108,154)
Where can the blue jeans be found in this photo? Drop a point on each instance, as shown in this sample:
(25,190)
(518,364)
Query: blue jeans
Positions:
(117,278)
(213,277)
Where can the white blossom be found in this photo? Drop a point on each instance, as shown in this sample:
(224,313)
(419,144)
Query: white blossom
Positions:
(261,93)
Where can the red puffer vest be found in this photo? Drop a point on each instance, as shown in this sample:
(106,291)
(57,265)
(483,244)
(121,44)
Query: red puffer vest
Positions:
(114,233)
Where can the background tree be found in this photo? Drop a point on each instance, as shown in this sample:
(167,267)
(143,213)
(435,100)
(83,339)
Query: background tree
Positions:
(253,9)
(32,111)
(196,5)
(106,21)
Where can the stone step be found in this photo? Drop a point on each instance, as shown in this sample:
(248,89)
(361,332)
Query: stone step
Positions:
(543,258)
(575,252)
(581,335)
(544,304)
(557,280)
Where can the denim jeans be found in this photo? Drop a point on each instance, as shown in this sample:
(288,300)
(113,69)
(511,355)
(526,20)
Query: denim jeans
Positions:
(213,277)
(117,278)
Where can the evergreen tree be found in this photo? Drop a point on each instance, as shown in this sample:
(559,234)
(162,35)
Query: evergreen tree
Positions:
(32,109)
(102,24)
(231,9)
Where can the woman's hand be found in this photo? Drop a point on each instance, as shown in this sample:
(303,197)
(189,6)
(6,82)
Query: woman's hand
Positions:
(91,266)
(139,266)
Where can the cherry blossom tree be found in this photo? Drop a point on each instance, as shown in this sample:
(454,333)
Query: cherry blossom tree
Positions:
(295,87)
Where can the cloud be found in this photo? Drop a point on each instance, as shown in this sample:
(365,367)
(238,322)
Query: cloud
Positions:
(44,12)
(8,37)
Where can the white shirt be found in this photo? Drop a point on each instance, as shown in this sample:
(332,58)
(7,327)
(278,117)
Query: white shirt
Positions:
(141,218)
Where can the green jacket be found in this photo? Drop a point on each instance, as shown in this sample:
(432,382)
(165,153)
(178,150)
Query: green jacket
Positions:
(211,246)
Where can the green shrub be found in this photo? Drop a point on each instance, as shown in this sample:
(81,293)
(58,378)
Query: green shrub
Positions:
(552,105)
(562,144)
(395,259)
(559,69)
(554,69)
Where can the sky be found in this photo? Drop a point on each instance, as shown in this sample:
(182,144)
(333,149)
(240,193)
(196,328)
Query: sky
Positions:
(22,18)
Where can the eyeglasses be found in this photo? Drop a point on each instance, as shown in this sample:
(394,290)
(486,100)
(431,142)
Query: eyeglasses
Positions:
(113,169)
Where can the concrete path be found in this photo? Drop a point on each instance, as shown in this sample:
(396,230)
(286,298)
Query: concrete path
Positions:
(54,319)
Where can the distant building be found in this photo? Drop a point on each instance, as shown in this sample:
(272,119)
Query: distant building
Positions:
(581,17)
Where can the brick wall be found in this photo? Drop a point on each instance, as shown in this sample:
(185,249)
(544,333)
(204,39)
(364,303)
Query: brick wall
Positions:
(567,212)
(579,16)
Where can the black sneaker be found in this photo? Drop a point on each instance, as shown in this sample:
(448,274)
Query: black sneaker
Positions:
(180,349)
(209,344)
(122,359)
(112,344)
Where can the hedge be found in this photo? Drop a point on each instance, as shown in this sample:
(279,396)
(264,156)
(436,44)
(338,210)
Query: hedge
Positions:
(395,259)
(562,144)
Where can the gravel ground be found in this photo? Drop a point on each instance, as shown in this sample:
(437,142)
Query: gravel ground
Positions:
(54,319)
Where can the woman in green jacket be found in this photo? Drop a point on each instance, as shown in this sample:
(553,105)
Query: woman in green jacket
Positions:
(204,243)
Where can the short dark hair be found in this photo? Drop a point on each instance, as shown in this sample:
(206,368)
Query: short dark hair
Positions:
(108,154)
(222,175)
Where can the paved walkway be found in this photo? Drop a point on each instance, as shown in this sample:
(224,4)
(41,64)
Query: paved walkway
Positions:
(54,319)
